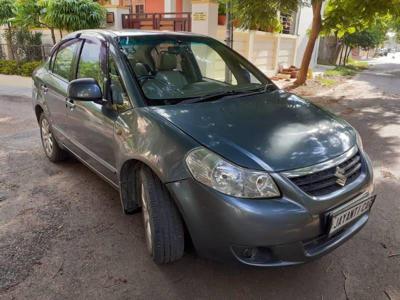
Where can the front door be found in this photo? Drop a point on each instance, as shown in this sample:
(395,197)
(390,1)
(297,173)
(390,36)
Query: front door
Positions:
(56,85)
(90,124)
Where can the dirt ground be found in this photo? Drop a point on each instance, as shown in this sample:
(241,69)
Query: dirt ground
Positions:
(63,235)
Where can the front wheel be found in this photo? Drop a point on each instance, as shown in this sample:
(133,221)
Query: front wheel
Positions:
(50,146)
(162,222)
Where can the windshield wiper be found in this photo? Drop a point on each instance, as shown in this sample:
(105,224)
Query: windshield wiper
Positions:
(210,97)
(237,93)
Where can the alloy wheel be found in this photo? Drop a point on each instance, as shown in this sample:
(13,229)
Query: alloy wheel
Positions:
(47,137)
(146,220)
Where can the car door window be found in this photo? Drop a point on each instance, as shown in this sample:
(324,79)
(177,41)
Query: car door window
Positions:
(64,60)
(117,88)
(90,62)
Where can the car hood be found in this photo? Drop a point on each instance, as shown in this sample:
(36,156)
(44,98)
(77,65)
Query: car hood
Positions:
(270,131)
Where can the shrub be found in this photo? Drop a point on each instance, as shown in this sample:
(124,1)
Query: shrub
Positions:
(26,69)
(11,67)
(8,67)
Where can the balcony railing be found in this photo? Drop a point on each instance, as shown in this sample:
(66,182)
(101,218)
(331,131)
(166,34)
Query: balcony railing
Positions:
(158,21)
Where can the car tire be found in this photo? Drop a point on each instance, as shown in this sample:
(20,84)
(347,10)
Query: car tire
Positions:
(50,145)
(163,225)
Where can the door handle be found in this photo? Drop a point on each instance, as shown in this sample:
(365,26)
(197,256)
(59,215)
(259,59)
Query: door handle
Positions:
(70,104)
(44,88)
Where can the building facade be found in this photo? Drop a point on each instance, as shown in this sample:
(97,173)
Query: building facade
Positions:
(151,6)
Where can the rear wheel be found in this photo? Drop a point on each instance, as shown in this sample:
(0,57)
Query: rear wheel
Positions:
(50,146)
(162,222)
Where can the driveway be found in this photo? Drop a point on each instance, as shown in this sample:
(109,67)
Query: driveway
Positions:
(63,235)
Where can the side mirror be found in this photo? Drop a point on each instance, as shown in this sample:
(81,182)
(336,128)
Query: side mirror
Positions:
(84,89)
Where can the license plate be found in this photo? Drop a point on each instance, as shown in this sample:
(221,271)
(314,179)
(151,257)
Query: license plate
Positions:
(349,212)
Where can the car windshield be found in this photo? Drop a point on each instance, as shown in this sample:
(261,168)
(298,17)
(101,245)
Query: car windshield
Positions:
(172,68)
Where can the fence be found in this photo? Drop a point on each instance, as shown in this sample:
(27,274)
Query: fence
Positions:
(266,50)
(24,53)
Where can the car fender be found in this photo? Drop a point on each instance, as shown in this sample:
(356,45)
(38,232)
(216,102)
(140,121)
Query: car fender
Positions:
(154,141)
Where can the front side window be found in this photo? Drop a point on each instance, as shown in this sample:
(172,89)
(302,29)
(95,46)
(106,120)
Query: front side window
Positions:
(171,69)
(63,60)
(117,88)
(90,62)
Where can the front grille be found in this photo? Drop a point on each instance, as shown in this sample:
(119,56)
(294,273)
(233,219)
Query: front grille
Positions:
(326,182)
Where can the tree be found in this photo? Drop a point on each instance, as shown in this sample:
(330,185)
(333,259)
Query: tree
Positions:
(315,30)
(72,15)
(261,14)
(341,17)
(32,13)
(7,12)
(350,21)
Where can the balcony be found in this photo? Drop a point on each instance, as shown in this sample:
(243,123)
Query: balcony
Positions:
(157,21)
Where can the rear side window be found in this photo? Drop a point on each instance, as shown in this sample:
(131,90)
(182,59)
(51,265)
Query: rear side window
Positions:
(90,62)
(63,61)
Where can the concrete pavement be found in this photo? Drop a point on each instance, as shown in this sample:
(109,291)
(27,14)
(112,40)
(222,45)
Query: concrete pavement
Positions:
(13,85)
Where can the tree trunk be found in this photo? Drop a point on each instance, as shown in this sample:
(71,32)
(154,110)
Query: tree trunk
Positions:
(341,54)
(53,36)
(337,50)
(315,29)
(9,40)
(345,55)
(348,54)
(61,34)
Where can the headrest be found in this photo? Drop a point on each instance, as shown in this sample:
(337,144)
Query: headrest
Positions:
(140,69)
(168,62)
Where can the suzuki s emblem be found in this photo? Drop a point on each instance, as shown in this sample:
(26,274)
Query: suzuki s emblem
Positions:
(341,177)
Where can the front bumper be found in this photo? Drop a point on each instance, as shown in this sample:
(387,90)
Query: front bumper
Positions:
(271,232)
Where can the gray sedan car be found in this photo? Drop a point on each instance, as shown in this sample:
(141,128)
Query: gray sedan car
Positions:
(205,146)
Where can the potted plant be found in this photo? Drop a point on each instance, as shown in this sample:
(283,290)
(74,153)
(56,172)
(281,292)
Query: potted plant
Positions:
(221,12)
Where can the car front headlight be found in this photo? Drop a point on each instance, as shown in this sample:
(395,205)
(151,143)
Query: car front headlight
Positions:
(225,177)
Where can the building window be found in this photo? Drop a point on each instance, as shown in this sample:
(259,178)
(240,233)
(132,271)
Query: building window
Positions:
(110,18)
(139,9)
(288,23)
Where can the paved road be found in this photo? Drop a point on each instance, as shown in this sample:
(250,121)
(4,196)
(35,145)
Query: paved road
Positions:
(385,74)
(62,234)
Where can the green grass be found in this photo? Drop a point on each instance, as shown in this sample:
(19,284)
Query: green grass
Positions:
(361,65)
(341,71)
(327,82)
(351,69)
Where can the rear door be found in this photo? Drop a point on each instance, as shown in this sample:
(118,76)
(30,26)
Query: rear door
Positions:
(55,85)
(90,125)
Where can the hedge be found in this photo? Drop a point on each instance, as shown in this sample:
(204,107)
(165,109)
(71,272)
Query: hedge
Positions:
(12,67)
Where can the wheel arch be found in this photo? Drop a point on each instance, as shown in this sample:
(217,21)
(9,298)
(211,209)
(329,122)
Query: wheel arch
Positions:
(128,187)
(38,111)
(128,183)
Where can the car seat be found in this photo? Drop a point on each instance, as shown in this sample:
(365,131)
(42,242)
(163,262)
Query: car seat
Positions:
(167,71)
